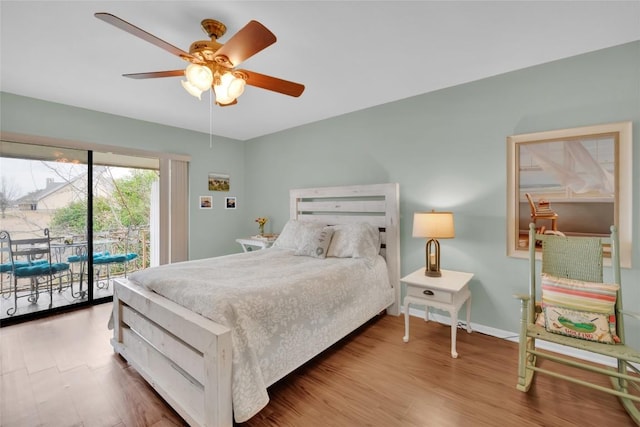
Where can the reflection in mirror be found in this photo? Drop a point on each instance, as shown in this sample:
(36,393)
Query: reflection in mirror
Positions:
(574,182)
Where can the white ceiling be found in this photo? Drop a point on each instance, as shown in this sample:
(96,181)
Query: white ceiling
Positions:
(350,55)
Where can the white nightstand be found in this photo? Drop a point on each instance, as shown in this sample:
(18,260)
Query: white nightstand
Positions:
(447,292)
(249,243)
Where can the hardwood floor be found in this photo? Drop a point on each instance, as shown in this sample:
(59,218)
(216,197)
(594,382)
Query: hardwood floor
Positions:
(61,371)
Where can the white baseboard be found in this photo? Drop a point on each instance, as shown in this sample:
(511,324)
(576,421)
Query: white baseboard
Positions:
(513,336)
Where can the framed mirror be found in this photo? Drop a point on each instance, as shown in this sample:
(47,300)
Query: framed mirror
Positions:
(575,182)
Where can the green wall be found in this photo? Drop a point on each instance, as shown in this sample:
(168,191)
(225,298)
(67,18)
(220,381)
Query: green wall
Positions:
(446,149)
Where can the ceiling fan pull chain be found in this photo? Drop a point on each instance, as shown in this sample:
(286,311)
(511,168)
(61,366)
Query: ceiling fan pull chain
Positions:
(210,118)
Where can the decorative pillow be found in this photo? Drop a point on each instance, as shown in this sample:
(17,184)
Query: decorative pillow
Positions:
(540,319)
(358,240)
(314,242)
(580,309)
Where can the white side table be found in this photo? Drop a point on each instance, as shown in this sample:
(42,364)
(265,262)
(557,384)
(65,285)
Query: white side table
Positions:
(249,243)
(447,292)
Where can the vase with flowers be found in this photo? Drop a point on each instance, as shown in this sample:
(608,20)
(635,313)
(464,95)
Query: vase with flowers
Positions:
(261,222)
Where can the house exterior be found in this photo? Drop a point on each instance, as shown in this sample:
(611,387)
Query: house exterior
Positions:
(56,195)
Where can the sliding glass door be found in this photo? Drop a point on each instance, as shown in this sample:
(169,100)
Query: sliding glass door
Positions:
(124,206)
(95,209)
(42,190)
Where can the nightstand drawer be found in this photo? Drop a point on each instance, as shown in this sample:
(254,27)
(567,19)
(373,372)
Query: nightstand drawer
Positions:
(430,294)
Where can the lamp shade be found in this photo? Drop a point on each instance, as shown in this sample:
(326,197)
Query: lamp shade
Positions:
(191,89)
(433,225)
(228,87)
(199,76)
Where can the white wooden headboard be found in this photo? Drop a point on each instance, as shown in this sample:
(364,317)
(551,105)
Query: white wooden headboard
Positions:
(377,204)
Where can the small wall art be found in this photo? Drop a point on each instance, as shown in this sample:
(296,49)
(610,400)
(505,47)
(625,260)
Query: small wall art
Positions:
(218,182)
(206,202)
(230,202)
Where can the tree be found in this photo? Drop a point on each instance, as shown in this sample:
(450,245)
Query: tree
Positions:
(72,219)
(9,192)
(128,205)
(132,195)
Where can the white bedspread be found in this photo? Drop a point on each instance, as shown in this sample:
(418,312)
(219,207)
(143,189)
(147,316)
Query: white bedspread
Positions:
(282,309)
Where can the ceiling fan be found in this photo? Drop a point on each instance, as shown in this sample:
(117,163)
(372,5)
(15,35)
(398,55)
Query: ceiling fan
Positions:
(212,64)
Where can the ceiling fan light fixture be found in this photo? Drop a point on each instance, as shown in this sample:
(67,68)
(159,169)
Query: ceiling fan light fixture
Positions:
(210,61)
(191,89)
(199,76)
(236,87)
(228,87)
(222,97)
(226,103)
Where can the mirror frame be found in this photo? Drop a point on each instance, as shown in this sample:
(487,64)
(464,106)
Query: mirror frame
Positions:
(623,204)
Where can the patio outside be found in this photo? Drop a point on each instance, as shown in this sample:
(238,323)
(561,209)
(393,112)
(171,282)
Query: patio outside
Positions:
(55,198)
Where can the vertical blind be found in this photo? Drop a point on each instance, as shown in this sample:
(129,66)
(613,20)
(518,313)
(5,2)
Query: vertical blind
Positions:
(179,196)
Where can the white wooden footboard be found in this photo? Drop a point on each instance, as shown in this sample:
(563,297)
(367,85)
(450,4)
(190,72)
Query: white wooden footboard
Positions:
(185,357)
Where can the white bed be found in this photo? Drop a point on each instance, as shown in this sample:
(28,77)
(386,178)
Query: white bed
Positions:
(206,370)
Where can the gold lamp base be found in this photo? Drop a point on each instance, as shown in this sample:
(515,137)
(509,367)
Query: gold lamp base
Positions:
(432,273)
(432,252)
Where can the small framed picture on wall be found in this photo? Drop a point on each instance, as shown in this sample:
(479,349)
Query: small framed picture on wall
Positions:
(206,202)
(230,202)
(218,182)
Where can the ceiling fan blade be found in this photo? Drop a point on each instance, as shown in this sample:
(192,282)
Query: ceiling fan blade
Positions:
(138,32)
(272,83)
(251,39)
(155,74)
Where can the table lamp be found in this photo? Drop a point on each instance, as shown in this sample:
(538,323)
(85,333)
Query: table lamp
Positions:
(433,225)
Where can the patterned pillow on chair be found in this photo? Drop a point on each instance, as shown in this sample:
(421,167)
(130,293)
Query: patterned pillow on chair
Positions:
(580,309)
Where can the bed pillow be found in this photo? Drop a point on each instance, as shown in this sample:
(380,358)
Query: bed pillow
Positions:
(314,241)
(358,240)
(580,309)
(305,238)
(288,237)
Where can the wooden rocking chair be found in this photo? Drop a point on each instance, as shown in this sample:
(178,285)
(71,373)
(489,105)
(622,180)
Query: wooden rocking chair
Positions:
(571,278)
